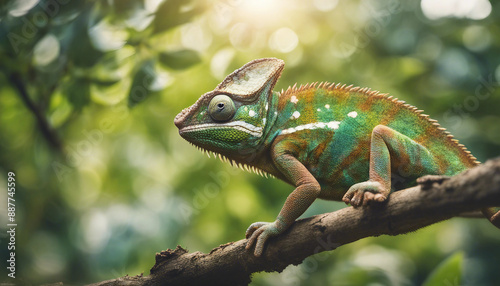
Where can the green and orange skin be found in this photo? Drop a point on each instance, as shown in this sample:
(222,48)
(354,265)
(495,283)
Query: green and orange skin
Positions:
(329,141)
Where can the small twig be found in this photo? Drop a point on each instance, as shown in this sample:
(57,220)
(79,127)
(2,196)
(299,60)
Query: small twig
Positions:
(48,132)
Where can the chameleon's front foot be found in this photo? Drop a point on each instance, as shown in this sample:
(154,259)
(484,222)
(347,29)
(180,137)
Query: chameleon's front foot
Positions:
(259,232)
(363,193)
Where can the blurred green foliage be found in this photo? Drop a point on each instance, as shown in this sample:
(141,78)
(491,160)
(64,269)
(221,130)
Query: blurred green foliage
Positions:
(448,272)
(89,90)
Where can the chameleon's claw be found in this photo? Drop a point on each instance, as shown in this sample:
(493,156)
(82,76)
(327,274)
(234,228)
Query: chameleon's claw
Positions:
(253,227)
(362,194)
(259,233)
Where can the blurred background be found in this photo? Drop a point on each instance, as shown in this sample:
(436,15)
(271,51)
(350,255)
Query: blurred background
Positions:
(89,91)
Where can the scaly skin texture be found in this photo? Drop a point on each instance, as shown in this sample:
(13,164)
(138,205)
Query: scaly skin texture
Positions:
(332,142)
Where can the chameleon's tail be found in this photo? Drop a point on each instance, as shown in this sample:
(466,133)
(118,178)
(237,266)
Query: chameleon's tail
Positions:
(493,215)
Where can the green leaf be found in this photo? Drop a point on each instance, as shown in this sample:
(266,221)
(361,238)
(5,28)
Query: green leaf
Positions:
(141,84)
(78,93)
(60,109)
(148,79)
(179,60)
(81,52)
(448,272)
(172,13)
(65,13)
(105,82)
(127,6)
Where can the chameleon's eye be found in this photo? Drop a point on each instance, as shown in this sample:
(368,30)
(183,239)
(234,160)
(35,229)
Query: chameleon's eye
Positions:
(221,108)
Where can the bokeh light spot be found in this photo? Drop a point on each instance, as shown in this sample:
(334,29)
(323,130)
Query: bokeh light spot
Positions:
(472,9)
(220,62)
(46,50)
(242,36)
(476,38)
(47,255)
(195,37)
(21,7)
(106,37)
(95,230)
(284,40)
(325,5)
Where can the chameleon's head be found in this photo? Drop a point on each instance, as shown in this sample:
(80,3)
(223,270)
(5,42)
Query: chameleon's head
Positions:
(231,119)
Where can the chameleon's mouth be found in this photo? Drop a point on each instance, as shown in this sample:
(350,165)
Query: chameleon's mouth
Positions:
(248,128)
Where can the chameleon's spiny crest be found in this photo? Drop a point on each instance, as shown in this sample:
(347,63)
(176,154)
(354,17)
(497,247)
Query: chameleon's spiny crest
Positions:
(329,141)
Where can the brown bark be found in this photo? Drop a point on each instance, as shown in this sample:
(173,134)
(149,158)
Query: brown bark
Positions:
(434,200)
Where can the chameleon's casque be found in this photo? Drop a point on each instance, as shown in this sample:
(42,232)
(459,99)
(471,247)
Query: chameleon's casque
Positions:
(330,141)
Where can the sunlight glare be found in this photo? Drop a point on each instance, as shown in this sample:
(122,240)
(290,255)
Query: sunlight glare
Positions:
(256,7)
(261,12)
(325,5)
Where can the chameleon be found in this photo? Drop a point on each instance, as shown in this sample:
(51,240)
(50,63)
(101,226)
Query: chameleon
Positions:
(329,141)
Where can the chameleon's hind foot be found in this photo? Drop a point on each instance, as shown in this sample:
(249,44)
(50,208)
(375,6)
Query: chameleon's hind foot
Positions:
(361,194)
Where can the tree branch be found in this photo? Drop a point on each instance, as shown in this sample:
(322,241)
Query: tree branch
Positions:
(47,131)
(436,199)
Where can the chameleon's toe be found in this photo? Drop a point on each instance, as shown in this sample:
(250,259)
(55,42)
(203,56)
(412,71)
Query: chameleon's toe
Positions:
(253,227)
(255,237)
(362,194)
(357,199)
(367,197)
(258,233)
